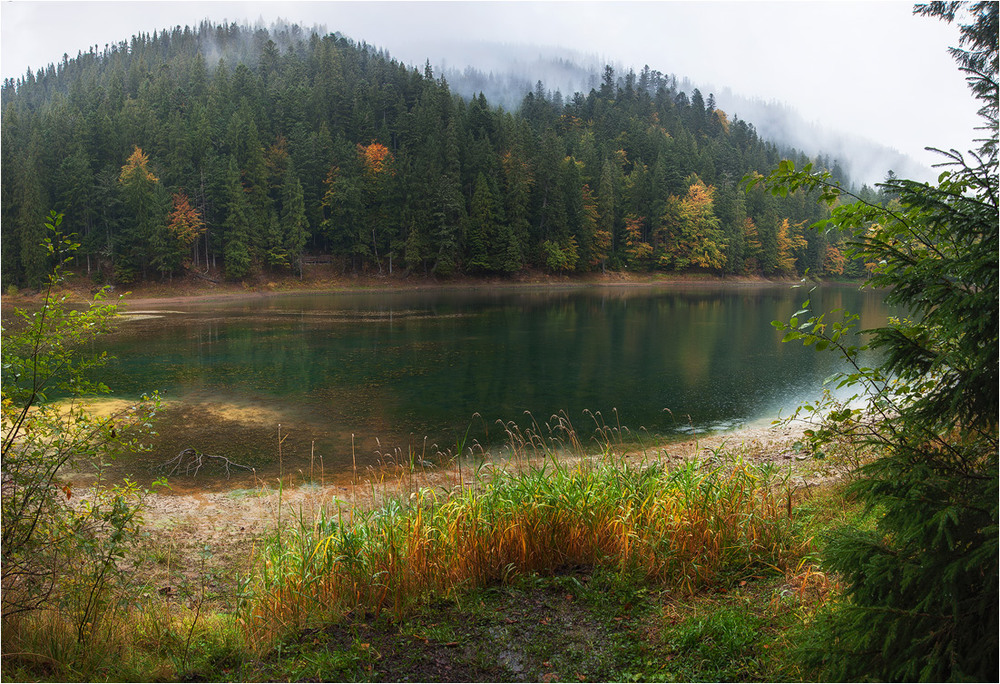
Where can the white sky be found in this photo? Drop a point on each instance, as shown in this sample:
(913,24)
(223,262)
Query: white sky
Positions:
(866,67)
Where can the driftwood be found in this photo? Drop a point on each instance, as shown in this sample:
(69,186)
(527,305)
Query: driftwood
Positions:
(190,461)
(204,277)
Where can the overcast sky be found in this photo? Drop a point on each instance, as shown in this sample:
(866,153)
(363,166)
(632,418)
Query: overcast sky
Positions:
(866,67)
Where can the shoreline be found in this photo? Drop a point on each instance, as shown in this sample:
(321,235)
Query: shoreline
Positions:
(233,522)
(192,289)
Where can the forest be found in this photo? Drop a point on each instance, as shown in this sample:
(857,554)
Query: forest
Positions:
(238,151)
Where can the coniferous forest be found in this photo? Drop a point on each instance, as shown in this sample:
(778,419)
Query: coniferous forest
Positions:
(240,151)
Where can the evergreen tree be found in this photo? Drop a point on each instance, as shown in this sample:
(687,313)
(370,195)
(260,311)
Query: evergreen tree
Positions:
(272,102)
(236,227)
(920,581)
(730,207)
(607,208)
(294,225)
(33,259)
(483,230)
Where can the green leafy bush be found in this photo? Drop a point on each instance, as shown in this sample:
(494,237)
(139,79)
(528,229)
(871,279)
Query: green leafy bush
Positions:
(60,550)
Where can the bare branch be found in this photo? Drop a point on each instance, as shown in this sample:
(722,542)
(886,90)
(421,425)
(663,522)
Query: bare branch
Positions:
(190,461)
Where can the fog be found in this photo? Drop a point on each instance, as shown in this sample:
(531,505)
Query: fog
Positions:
(505,73)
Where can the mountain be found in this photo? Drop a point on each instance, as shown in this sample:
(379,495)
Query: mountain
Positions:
(504,72)
(245,150)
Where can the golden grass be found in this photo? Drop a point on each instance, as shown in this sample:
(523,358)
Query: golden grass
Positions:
(682,528)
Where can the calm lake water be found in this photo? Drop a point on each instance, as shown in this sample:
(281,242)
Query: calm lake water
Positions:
(352,377)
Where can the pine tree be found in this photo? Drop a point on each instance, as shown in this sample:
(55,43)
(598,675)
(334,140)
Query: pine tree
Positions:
(294,225)
(236,227)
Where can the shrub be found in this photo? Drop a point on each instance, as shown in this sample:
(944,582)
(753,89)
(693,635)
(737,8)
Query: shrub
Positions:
(60,552)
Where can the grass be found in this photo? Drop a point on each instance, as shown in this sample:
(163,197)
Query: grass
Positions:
(557,562)
(684,528)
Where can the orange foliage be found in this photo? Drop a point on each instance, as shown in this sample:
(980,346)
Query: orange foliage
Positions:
(693,229)
(136,168)
(834,260)
(375,158)
(601,246)
(185,222)
(570,122)
(698,199)
(276,157)
(512,164)
(791,244)
(330,183)
(636,249)
(723,120)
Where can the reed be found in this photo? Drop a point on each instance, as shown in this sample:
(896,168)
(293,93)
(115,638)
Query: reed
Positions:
(548,506)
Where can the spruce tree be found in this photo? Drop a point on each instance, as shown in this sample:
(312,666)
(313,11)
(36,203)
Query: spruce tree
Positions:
(921,581)
(294,225)
(236,227)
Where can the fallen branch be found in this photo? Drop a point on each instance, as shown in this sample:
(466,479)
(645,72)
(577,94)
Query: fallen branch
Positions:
(204,277)
(190,461)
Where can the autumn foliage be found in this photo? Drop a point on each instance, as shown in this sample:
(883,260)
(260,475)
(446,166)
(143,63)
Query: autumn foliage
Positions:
(185,222)
(693,233)
(636,249)
(136,168)
(365,161)
(791,244)
(375,159)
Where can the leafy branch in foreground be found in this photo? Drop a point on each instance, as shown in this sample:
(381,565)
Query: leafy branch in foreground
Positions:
(921,586)
(57,552)
(934,251)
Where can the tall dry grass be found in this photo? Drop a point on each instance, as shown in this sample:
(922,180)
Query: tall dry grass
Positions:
(547,507)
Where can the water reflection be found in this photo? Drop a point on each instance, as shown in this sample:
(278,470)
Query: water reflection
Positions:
(347,375)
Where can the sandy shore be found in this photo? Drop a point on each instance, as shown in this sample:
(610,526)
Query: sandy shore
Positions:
(320,280)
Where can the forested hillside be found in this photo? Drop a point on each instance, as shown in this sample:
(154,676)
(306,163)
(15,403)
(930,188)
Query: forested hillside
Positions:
(240,151)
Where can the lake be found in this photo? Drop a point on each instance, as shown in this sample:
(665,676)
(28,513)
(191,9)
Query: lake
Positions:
(352,378)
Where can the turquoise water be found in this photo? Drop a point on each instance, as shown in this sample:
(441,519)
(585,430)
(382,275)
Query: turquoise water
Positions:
(352,377)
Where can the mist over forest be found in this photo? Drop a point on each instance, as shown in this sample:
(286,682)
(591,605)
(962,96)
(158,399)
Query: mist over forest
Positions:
(244,150)
(505,72)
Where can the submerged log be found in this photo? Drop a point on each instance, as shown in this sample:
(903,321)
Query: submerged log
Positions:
(190,461)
